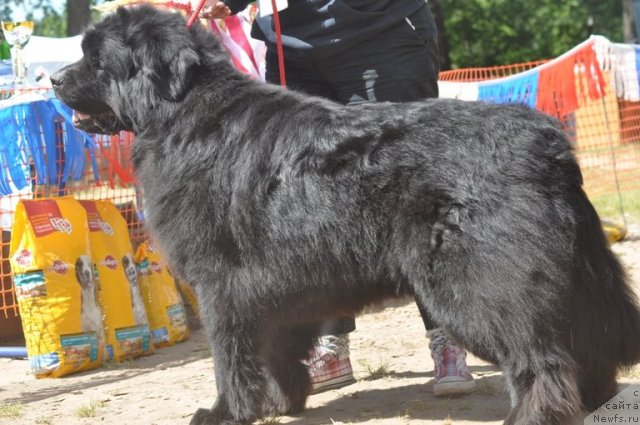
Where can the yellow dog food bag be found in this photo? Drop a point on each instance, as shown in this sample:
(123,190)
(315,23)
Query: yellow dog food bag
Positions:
(167,315)
(190,302)
(125,318)
(56,287)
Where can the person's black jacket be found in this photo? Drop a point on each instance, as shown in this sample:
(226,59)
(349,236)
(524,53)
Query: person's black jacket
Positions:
(318,28)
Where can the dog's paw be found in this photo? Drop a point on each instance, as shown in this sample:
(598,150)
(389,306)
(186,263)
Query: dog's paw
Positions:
(213,417)
(203,417)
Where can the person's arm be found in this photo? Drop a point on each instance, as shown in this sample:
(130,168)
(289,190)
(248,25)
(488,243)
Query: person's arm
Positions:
(215,9)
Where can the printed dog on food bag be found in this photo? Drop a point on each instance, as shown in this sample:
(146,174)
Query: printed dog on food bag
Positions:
(284,209)
(130,270)
(91,313)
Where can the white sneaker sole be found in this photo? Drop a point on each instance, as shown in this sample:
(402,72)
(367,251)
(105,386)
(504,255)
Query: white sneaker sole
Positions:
(332,384)
(442,389)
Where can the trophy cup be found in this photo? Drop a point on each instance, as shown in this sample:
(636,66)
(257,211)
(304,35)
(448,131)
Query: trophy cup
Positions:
(17,35)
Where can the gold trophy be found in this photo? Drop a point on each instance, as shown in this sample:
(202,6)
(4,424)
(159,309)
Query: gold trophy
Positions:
(17,35)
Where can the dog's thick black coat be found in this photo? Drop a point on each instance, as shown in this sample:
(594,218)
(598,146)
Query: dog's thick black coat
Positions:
(284,209)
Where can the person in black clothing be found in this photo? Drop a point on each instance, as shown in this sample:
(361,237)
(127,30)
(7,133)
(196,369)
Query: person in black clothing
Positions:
(354,51)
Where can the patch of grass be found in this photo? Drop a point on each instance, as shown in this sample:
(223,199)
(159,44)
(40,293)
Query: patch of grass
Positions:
(378,372)
(447,421)
(43,420)
(270,420)
(415,407)
(600,176)
(89,410)
(10,410)
(608,206)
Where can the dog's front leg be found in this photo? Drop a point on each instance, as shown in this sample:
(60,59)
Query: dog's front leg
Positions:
(239,372)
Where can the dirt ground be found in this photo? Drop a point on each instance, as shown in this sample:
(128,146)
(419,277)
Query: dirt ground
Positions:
(389,354)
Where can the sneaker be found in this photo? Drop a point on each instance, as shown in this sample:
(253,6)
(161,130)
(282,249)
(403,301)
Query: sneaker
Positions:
(329,365)
(452,376)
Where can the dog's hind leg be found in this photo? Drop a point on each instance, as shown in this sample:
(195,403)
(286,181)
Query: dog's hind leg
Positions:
(498,283)
(290,384)
(541,375)
(548,395)
(597,383)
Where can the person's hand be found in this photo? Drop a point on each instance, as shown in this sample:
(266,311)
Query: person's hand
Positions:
(212,9)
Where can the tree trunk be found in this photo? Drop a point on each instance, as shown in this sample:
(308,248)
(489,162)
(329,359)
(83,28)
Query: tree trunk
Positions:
(443,42)
(78,16)
(628,21)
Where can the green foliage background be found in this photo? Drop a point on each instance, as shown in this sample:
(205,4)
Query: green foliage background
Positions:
(51,22)
(493,32)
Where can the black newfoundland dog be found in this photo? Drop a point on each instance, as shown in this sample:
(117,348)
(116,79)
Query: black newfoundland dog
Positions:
(284,209)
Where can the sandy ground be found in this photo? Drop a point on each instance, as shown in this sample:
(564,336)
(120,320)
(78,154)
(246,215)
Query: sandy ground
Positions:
(389,354)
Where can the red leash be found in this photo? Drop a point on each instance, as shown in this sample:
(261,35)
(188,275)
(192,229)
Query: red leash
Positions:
(276,21)
(195,13)
(280,50)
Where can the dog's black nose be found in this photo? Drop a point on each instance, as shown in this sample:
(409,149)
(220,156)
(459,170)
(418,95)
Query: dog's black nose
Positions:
(57,79)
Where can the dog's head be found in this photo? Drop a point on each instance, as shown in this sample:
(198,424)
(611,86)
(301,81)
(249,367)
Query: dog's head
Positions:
(84,272)
(133,61)
(130,270)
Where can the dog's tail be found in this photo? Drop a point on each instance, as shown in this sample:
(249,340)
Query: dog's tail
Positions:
(605,328)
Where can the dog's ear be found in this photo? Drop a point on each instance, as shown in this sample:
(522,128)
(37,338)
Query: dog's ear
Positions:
(166,56)
(96,278)
(181,71)
(79,271)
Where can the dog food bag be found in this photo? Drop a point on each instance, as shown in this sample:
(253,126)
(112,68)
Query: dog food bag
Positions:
(167,315)
(56,287)
(191,305)
(125,317)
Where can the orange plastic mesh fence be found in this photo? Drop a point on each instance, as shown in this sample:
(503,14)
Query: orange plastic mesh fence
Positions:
(486,73)
(110,150)
(605,132)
